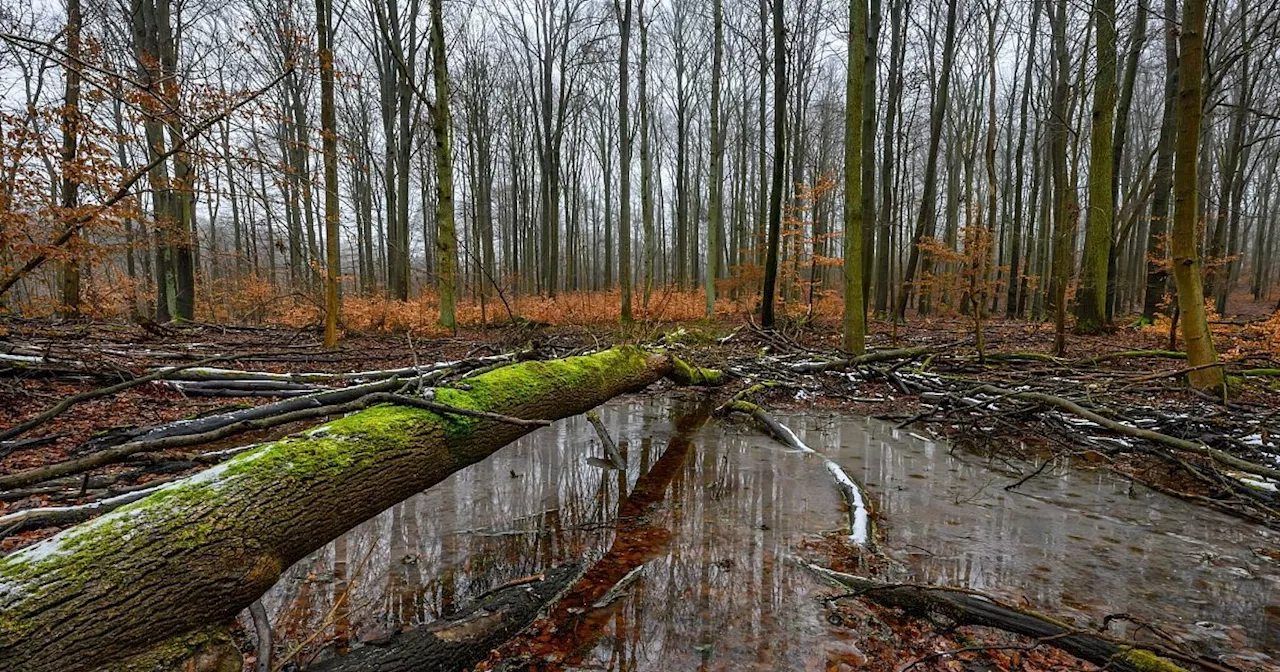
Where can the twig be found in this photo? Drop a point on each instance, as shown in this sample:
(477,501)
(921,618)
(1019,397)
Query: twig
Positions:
(610,448)
(62,406)
(1128,430)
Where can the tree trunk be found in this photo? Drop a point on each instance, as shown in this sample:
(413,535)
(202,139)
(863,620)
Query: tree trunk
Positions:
(869,229)
(442,129)
(1013,304)
(886,216)
(329,139)
(1186,257)
(623,10)
(779,154)
(1157,246)
(715,209)
(1064,217)
(646,163)
(1137,40)
(855,314)
(70,187)
(200,550)
(925,224)
(1091,301)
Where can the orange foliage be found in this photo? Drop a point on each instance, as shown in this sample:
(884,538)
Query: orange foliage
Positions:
(419,315)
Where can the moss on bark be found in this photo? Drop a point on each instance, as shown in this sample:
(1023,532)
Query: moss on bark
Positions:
(198,551)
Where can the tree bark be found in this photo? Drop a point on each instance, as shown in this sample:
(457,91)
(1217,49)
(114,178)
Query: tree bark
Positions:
(623,10)
(198,551)
(970,609)
(779,155)
(329,140)
(1157,246)
(1187,271)
(1091,302)
(927,219)
(442,129)
(70,186)
(715,209)
(855,314)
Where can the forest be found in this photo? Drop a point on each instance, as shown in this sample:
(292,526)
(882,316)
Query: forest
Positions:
(378,335)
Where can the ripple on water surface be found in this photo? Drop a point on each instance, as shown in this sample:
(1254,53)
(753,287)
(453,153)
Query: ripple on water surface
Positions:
(731,506)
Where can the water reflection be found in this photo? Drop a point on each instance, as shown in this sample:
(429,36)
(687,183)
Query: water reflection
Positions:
(710,515)
(1078,543)
(711,512)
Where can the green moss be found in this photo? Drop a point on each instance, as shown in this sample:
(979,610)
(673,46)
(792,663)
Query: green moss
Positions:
(212,649)
(184,514)
(502,387)
(707,335)
(685,374)
(1149,662)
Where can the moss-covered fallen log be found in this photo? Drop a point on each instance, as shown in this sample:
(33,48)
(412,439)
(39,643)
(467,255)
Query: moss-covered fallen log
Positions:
(200,550)
(971,608)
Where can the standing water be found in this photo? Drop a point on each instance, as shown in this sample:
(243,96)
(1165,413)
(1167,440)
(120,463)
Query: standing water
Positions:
(713,511)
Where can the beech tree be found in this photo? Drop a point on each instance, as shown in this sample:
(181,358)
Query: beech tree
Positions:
(1040,124)
(855,312)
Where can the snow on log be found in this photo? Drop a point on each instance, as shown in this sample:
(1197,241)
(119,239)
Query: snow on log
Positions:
(199,550)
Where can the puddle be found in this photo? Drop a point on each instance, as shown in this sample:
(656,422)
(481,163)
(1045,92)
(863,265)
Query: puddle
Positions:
(1073,542)
(714,540)
(711,520)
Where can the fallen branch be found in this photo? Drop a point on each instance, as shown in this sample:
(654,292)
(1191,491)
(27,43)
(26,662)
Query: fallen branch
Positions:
(869,358)
(610,448)
(211,422)
(119,453)
(64,405)
(1133,354)
(860,531)
(967,607)
(34,519)
(1136,432)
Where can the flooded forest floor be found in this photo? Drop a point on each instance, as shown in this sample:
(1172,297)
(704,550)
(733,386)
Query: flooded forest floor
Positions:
(960,434)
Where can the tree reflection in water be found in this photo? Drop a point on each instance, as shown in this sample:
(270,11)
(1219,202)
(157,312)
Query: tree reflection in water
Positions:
(711,511)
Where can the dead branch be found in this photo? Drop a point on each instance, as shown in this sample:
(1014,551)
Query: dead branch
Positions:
(969,607)
(62,406)
(1136,432)
(610,448)
(869,358)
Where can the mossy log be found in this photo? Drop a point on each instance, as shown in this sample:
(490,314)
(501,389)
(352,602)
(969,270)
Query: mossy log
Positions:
(972,608)
(198,551)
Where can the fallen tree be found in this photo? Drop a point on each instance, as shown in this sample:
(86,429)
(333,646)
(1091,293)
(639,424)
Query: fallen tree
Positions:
(964,607)
(142,579)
